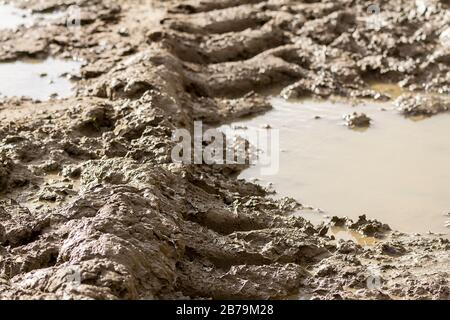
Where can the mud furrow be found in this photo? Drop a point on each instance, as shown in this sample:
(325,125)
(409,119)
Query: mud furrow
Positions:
(197,6)
(226,47)
(233,19)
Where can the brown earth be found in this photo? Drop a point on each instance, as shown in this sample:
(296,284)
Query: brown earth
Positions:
(92,206)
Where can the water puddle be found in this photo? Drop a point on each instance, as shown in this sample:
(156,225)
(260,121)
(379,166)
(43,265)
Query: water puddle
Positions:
(391,89)
(396,171)
(12,17)
(38,79)
(341,233)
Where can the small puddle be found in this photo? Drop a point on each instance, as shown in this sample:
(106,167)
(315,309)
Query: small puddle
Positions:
(12,17)
(341,233)
(397,171)
(391,89)
(38,79)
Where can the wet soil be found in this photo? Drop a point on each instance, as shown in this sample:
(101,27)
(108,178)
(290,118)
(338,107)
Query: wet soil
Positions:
(93,207)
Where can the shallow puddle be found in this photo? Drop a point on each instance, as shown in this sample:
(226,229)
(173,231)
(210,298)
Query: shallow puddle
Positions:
(391,89)
(396,171)
(12,17)
(38,79)
(341,233)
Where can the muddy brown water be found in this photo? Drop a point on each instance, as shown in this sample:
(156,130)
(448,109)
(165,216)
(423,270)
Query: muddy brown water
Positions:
(38,79)
(396,171)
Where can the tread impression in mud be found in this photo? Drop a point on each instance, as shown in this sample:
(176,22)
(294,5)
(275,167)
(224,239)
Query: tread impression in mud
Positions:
(92,203)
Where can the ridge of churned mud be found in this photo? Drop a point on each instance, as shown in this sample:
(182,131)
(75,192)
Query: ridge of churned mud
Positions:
(89,191)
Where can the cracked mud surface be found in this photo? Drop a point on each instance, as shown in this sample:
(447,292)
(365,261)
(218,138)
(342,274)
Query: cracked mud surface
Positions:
(88,184)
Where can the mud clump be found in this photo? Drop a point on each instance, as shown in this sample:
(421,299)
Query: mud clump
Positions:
(92,206)
(422,105)
(357,120)
(372,228)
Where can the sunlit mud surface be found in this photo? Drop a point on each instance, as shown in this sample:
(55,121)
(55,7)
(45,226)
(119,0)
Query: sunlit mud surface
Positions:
(38,79)
(396,170)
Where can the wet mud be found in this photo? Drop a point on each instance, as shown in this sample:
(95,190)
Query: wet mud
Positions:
(93,207)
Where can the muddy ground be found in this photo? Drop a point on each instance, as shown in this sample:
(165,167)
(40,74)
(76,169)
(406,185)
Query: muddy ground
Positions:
(92,206)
